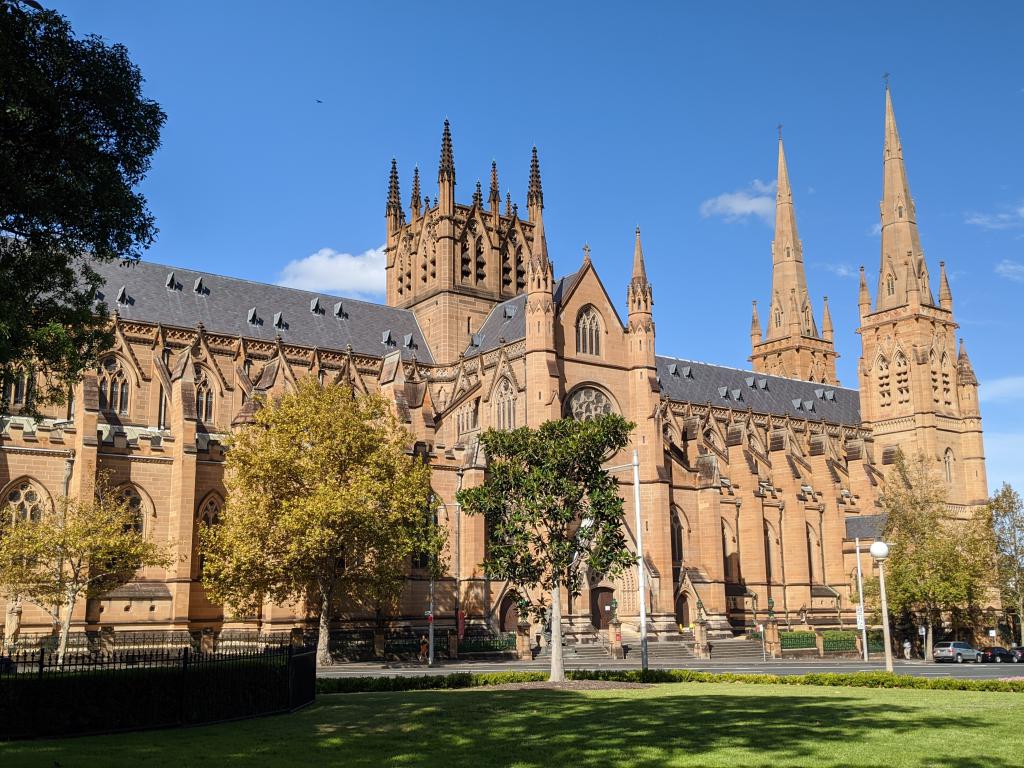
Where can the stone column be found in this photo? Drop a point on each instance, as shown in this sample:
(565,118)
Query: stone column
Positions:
(701,649)
(615,638)
(524,649)
(772,641)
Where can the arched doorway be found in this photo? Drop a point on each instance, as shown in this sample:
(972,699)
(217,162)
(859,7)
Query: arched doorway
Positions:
(601,606)
(508,614)
(683,610)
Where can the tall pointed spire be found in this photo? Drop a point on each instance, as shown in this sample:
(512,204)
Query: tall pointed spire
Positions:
(394,195)
(755,326)
(508,204)
(639,269)
(446,174)
(494,197)
(864,300)
(945,295)
(901,241)
(965,372)
(478,195)
(827,331)
(416,203)
(788,277)
(535,194)
(446,167)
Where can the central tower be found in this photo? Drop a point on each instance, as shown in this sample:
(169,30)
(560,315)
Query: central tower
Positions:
(451,263)
(791,345)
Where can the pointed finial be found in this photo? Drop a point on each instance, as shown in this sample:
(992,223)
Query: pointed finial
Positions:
(478,194)
(535,195)
(416,202)
(755,325)
(394,196)
(494,195)
(885,77)
(586,253)
(446,167)
(779,126)
(827,331)
(945,295)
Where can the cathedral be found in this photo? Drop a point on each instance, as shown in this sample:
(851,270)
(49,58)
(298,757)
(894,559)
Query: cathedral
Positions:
(754,484)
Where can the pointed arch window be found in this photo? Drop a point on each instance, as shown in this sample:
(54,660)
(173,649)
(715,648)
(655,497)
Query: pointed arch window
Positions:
(884,383)
(113,386)
(778,318)
(899,211)
(902,379)
(890,285)
(588,331)
(813,563)
(19,389)
(26,502)
(204,396)
(130,495)
(505,404)
(678,545)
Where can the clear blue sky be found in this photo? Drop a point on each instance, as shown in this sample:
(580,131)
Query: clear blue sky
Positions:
(659,114)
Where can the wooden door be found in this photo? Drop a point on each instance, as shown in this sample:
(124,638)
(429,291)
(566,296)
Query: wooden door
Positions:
(601,607)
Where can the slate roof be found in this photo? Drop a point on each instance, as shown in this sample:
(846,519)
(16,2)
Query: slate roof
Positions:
(224,305)
(507,322)
(865,526)
(689,381)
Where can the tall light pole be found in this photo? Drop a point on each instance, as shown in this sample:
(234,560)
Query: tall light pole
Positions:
(880,551)
(861,619)
(641,576)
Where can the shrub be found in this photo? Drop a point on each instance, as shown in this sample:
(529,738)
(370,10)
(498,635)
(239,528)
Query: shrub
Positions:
(830,679)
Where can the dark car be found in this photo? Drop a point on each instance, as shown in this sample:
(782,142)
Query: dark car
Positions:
(1018,654)
(996,654)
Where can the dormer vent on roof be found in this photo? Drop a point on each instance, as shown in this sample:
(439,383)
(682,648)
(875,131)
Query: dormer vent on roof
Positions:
(749,380)
(830,395)
(820,394)
(387,339)
(407,341)
(798,404)
(314,306)
(509,311)
(339,310)
(279,320)
(762,384)
(198,286)
(809,405)
(477,340)
(737,394)
(171,283)
(687,372)
(122,296)
(673,369)
(723,392)
(252,318)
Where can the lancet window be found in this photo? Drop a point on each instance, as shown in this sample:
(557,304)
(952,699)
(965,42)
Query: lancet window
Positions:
(113,386)
(588,331)
(505,404)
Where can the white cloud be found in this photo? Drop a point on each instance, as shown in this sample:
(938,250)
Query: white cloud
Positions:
(1002,390)
(329,271)
(758,199)
(875,230)
(1007,219)
(1011,270)
(841,270)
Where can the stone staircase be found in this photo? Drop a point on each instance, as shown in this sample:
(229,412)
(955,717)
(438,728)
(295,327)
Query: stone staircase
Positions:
(578,654)
(664,653)
(737,649)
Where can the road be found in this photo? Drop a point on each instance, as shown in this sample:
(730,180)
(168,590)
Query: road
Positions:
(772,666)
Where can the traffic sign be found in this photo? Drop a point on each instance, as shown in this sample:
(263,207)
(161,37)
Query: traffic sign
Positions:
(861,624)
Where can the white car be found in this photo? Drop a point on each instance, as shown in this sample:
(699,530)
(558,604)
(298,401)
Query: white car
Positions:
(957,651)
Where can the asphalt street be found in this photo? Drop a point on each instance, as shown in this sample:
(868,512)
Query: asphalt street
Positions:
(772,666)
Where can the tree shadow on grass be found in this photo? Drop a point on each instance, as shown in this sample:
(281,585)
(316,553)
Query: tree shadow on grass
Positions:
(564,728)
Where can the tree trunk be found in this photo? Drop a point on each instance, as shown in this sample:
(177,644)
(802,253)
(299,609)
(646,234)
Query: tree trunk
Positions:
(323,645)
(65,627)
(557,668)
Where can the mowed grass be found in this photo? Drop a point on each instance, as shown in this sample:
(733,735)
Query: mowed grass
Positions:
(688,724)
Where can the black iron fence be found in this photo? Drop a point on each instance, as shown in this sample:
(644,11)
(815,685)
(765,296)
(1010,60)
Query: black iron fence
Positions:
(138,688)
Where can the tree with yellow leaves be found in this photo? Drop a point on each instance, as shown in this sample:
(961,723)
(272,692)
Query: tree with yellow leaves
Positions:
(325,504)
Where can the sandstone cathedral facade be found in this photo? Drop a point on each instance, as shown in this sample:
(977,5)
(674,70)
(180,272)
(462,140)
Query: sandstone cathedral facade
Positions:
(754,484)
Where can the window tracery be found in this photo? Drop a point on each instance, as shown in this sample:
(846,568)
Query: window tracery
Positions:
(588,331)
(204,396)
(26,502)
(505,404)
(113,386)
(588,403)
(902,379)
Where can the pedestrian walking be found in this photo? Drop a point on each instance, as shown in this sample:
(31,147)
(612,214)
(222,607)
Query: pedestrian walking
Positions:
(424,649)
(906,649)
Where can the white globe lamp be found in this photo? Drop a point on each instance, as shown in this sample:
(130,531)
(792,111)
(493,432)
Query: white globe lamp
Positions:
(879,550)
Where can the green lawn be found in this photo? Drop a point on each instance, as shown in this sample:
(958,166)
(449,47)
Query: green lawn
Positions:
(689,724)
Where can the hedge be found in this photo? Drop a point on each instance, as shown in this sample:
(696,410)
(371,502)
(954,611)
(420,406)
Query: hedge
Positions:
(327,685)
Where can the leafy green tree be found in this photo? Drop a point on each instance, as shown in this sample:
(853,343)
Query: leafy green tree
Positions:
(79,548)
(76,138)
(550,510)
(1008,523)
(324,505)
(938,562)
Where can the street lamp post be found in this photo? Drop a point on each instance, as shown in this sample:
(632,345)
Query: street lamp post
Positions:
(880,551)
(641,576)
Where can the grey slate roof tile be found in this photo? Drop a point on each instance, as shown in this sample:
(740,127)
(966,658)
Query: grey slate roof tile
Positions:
(689,381)
(223,304)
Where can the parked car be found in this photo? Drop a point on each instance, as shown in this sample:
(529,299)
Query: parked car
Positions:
(1018,654)
(996,654)
(955,650)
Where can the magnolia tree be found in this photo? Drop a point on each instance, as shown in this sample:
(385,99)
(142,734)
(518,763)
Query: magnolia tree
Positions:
(550,511)
(78,549)
(325,504)
(938,563)
(1008,523)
